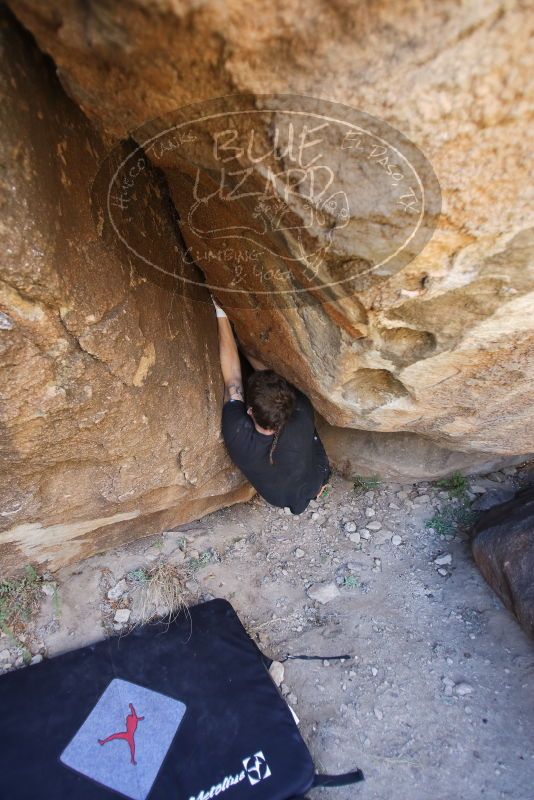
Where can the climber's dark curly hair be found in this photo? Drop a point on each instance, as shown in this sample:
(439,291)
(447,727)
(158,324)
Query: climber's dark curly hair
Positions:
(272,400)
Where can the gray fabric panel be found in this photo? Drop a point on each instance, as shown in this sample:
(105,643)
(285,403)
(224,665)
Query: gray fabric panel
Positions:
(110,763)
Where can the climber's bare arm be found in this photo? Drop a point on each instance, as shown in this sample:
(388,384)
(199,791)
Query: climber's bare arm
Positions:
(229,356)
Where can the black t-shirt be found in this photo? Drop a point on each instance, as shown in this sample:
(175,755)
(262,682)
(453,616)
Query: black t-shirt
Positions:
(300,463)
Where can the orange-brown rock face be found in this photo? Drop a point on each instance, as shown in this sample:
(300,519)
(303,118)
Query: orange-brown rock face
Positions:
(110,384)
(439,346)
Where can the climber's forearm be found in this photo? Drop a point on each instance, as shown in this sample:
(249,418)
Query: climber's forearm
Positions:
(230,364)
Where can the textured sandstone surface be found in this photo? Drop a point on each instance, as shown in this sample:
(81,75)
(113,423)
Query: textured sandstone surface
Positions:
(110,389)
(503,548)
(441,348)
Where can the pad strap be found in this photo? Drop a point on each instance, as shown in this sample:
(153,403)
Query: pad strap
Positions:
(338,780)
(345,779)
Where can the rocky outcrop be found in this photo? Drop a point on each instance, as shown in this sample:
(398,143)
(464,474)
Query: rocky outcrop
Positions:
(110,385)
(110,381)
(439,347)
(503,548)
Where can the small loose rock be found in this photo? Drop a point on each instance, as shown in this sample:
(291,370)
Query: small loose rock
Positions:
(323,592)
(276,671)
(374,526)
(461,689)
(118,590)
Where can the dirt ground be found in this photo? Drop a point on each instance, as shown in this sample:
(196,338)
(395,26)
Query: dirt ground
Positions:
(437,698)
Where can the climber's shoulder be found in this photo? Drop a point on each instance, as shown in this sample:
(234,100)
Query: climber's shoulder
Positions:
(303,406)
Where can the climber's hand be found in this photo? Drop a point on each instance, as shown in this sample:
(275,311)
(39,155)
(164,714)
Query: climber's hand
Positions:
(218,310)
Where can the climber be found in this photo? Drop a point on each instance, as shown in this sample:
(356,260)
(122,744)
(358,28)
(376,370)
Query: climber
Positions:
(269,431)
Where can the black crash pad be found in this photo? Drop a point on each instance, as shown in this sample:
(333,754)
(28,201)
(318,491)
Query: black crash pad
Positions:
(180,711)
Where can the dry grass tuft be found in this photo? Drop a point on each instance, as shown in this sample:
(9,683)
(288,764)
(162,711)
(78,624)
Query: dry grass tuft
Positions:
(159,594)
(20,600)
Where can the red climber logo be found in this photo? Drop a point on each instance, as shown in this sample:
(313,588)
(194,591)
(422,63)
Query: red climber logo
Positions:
(132,720)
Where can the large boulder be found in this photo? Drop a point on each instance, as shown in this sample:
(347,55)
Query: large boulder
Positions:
(110,384)
(503,548)
(440,347)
